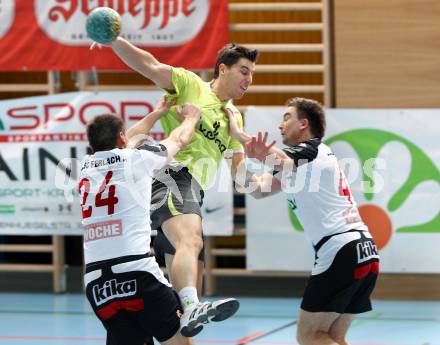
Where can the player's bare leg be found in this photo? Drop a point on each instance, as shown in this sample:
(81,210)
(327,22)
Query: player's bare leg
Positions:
(178,339)
(313,328)
(185,234)
(339,328)
(200,269)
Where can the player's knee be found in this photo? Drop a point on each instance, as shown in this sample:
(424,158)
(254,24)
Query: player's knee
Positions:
(197,242)
(301,336)
(338,337)
(304,337)
(192,241)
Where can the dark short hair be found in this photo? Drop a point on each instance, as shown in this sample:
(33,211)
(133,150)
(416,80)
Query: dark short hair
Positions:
(103,132)
(231,53)
(311,110)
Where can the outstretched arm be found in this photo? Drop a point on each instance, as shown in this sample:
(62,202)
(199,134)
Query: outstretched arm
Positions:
(249,183)
(182,135)
(259,149)
(234,130)
(144,63)
(256,147)
(140,129)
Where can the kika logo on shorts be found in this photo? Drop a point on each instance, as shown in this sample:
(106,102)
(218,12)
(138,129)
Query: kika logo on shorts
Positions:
(98,231)
(112,289)
(366,251)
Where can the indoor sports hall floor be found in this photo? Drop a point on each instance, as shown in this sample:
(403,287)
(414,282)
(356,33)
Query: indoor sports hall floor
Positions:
(30,319)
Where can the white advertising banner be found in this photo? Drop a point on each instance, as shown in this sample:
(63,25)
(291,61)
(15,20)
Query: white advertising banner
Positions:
(391,159)
(37,133)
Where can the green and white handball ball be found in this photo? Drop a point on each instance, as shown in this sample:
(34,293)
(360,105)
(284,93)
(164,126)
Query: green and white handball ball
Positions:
(103,25)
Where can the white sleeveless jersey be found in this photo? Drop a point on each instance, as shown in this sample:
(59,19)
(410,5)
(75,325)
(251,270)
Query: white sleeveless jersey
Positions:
(318,192)
(115,195)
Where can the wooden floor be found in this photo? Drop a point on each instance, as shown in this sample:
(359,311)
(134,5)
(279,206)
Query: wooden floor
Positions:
(66,319)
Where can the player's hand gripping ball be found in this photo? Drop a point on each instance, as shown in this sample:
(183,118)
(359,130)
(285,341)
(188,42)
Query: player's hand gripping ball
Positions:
(103,25)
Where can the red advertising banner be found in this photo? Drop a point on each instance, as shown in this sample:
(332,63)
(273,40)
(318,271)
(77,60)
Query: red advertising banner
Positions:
(42,35)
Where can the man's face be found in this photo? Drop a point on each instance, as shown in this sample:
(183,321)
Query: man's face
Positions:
(238,77)
(291,127)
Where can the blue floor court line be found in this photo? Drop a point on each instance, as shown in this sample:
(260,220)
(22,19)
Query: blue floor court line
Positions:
(34,319)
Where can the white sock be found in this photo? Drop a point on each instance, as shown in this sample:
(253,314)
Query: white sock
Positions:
(188,297)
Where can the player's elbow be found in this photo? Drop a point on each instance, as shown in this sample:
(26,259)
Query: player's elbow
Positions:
(180,144)
(260,195)
(147,69)
(182,140)
(263,189)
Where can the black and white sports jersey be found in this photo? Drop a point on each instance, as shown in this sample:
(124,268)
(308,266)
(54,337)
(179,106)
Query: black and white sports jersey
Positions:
(115,196)
(318,192)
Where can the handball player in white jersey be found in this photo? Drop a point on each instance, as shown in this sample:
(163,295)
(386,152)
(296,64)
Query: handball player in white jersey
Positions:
(346,258)
(124,284)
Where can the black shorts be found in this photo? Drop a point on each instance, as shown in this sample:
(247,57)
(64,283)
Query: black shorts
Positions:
(133,306)
(346,286)
(174,192)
